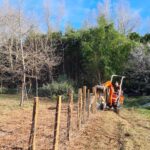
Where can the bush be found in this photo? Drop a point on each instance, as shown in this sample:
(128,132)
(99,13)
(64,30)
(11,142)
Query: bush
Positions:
(137,101)
(54,89)
(4,90)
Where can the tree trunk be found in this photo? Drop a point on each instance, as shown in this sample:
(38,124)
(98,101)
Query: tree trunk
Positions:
(23,89)
(26,92)
(10,53)
(30,87)
(37,87)
(23,57)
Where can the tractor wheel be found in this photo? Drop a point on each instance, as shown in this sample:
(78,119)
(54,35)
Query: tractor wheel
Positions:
(102,106)
(117,110)
(117,107)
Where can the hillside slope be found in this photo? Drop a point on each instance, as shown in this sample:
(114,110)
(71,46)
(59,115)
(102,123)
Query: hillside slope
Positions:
(109,131)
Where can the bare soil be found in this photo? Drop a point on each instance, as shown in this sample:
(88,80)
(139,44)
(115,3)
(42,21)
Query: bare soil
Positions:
(15,127)
(103,131)
(109,131)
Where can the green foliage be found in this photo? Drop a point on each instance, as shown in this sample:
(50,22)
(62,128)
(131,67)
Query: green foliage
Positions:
(135,37)
(7,91)
(63,78)
(137,101)
(55,89)
(145,38)
(89,56)
(92,55)
(3,90)
(105,51)
(141,39)
(73,55)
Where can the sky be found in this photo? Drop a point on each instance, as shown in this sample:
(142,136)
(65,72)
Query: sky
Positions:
(76,11)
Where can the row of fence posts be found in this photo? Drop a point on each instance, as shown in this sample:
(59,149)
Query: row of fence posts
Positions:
(85,106)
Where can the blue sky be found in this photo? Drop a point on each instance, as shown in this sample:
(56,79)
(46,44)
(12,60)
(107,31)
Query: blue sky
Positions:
(78,10)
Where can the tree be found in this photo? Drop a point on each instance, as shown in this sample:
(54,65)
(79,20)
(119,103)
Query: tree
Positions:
(135,36)
(137,70)
(146,38)
(105,51)
(23,51)
(104,9)
(127,20)
(53,19)
(73,54)
(42,56)
(15,27)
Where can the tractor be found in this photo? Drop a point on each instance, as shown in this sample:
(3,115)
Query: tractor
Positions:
(110,94)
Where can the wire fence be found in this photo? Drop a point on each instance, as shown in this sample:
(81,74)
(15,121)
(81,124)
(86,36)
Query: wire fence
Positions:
(63,123)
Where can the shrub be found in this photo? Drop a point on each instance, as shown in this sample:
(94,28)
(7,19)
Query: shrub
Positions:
(3,90)
(54,89)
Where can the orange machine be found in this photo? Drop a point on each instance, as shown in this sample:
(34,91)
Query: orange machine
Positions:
(112,94)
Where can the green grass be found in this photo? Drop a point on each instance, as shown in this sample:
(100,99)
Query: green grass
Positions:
(136,101)
(9,96)
(144,112)
(11,102)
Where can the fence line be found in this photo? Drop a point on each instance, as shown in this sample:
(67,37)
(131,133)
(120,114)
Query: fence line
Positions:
(75,115)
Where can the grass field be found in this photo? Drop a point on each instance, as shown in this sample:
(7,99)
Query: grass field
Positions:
(11,102)
(137,101)
(136,104)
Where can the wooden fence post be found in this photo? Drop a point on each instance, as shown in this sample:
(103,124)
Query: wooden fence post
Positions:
(57,124)
(69,117)
(84,103)
(32,140)
(71,101)
(79,108)
(89,103)
(94,100)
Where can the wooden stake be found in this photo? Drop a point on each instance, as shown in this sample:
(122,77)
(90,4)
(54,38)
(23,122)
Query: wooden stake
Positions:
(89,105)
(32,139)
(57,124)
(71,100)
(70,109)
(84,103)
(79,108)
(94,100)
